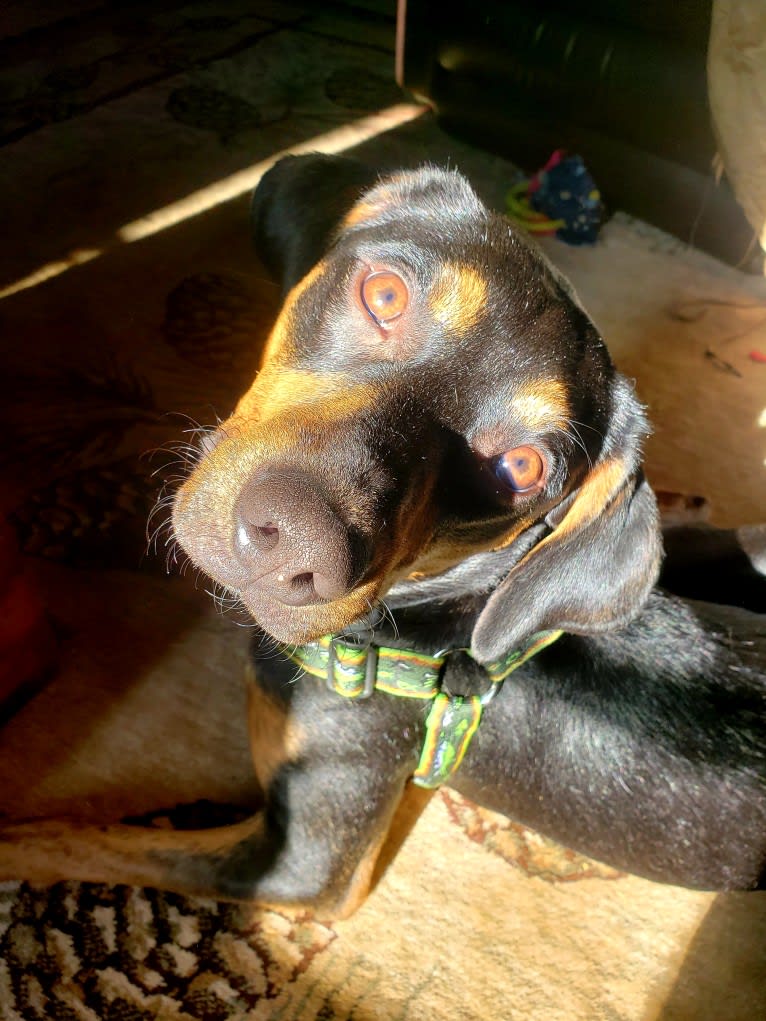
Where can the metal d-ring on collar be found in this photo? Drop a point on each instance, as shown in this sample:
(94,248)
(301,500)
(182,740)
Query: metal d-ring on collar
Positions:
(488,695)
(355,672)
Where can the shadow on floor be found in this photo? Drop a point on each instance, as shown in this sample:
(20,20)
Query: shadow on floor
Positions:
(723,976)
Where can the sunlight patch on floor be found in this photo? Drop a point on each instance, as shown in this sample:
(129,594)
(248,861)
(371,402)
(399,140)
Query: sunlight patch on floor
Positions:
(335,141)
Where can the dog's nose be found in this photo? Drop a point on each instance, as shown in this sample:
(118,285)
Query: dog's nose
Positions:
(291,542)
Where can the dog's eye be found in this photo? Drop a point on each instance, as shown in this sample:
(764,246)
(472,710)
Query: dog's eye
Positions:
(521,468)
(385,296)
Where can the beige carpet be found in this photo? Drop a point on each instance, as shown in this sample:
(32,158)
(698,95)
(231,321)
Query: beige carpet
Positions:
(476,917)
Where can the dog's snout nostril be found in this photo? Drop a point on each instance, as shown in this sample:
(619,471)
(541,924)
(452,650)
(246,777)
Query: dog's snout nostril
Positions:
(299,590)
(256,538)
(292,544)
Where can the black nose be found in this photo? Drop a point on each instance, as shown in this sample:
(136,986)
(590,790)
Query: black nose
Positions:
(292,544)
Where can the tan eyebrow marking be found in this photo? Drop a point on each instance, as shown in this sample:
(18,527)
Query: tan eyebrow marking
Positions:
(541,403)
(375,201)
(359,213)
(458,297)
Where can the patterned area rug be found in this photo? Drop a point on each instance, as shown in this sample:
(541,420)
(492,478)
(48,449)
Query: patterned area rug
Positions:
(144,954)
(118,342)
(140,954)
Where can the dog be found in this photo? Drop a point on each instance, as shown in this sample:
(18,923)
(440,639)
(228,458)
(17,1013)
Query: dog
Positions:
(431,501)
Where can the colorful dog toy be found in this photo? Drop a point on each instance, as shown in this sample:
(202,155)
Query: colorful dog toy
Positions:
(561,199)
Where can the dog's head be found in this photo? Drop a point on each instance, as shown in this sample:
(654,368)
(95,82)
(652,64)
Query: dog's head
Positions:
(432,391)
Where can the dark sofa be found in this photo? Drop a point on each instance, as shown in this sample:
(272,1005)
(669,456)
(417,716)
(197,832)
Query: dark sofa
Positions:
(622,82)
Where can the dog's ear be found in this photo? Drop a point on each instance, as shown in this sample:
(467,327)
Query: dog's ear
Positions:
(594,570)
(304,204)
(297,208)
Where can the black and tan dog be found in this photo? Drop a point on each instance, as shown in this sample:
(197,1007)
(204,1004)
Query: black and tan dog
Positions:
(438,424)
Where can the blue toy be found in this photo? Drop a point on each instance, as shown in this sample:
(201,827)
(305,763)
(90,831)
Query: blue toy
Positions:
(561,199)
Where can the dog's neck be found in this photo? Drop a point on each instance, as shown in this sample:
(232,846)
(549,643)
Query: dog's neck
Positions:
(474,577)
(444,608)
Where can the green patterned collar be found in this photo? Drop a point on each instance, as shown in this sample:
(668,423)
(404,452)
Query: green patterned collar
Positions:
(355,672)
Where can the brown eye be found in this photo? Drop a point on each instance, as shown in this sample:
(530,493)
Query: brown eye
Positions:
(385,296)
(521,468)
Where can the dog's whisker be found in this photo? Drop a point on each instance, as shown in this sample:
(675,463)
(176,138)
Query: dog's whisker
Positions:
(576,441)
(195,424)
(388,615)
(586,425)
(187,453)
(152,542)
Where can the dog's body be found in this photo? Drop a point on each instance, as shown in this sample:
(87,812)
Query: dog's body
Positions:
(438,422)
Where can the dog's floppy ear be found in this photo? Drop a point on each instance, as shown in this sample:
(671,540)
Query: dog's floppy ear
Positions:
(593,571)
(298,206)
(305,204)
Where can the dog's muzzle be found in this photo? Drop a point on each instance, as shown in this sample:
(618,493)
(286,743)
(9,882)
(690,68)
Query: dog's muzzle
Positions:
(292,544)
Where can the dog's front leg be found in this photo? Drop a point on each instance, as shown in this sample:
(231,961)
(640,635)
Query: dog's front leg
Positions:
(291,852)
(330,797)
